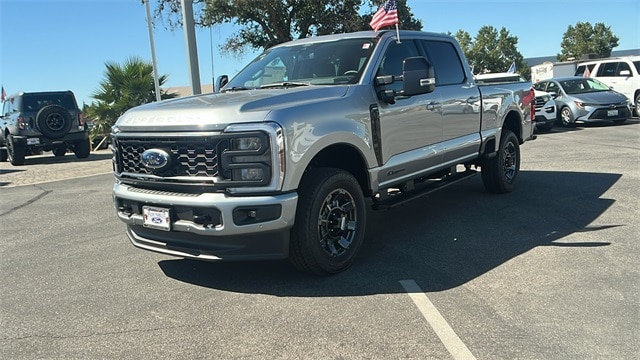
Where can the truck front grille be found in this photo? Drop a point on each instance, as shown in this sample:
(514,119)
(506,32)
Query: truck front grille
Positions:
(191,156)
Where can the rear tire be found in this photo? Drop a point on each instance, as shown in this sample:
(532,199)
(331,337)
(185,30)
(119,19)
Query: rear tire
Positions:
(15,151)
(637,104)
(500,172)
(330,222)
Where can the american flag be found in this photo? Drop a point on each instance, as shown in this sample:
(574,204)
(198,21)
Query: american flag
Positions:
(586,73)
(4,95)
(386,15)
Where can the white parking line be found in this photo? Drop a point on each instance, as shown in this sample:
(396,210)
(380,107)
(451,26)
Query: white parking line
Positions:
(451,341)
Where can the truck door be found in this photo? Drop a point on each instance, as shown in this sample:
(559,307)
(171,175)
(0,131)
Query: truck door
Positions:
(460,101)
(410,123)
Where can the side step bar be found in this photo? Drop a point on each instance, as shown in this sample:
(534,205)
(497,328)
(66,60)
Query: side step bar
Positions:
(394,200)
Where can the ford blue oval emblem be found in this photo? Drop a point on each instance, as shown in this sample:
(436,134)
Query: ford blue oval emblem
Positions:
(155,159)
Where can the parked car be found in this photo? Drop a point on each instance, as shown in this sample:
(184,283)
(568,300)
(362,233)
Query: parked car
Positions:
(583,100)
(544,105)
(33,122)
(99,141)
(620,73)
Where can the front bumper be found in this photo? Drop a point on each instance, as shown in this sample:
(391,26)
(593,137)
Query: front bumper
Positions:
(210,226)
(545,114)
(597,114)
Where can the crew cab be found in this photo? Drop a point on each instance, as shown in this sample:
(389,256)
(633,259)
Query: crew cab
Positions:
(279,163)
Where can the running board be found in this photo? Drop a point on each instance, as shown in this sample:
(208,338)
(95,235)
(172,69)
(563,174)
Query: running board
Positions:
(394,200)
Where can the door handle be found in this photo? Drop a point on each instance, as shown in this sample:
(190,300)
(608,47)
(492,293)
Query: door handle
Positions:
(433,106)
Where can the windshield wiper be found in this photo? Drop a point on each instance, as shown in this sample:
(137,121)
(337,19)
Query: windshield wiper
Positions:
(236,88)
(284,84)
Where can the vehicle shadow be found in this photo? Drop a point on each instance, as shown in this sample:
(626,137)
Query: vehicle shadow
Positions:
(68,158)
(579,127)
(441,241)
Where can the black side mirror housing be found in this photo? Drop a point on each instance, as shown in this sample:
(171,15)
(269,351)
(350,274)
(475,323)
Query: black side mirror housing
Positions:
(418,75)
(221,82)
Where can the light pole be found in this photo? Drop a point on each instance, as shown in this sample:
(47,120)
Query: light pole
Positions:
(153,52)
(188,25)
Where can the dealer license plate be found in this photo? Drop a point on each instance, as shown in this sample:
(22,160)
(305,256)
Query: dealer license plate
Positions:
(157,218)
(612,112)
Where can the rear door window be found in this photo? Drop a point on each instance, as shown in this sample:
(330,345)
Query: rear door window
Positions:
(608,69)
(445,60)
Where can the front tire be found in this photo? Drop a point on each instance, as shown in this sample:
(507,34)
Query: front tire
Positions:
(544,128)
(566,117)
(59,151)
(499,173)
(82,149)
(330,222)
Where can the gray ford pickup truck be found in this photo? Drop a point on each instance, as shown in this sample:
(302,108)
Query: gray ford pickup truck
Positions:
(285,160)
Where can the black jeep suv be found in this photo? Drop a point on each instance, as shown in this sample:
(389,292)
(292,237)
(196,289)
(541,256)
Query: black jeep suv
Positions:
(41,121)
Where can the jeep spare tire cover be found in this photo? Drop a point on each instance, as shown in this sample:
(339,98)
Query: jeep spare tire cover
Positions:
(53,121)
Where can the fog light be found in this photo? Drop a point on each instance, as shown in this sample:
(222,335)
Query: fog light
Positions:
(250,174)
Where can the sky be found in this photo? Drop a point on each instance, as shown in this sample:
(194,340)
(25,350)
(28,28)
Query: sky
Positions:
(64,44)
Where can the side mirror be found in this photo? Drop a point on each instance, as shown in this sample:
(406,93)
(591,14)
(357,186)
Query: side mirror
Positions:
(221,82)
(625,73)
(418,75)
(553,94)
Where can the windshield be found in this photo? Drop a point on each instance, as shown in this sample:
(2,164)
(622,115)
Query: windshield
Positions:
(581,86)
(322,63)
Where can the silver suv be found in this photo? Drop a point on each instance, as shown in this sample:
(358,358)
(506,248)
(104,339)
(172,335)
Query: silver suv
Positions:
(42,121)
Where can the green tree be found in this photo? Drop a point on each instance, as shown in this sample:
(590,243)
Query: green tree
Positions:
(492,51)
(123,87)
(267,23)
(585,39)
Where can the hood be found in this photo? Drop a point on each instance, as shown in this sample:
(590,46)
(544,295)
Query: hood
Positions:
(216,110)
(540,93)
(600,98)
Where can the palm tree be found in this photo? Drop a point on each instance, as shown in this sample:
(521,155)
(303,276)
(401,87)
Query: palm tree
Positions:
(123,87)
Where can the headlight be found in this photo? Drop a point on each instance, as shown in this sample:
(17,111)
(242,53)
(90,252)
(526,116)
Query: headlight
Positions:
(252,158)
(246,143)
(580,104)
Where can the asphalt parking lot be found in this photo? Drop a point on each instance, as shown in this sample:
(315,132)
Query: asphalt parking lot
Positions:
(549,271)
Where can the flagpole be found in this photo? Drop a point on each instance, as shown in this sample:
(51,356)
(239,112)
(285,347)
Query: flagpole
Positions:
(398,33)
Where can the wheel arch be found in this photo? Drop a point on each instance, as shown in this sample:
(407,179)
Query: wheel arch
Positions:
(346,157)
(513,122)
